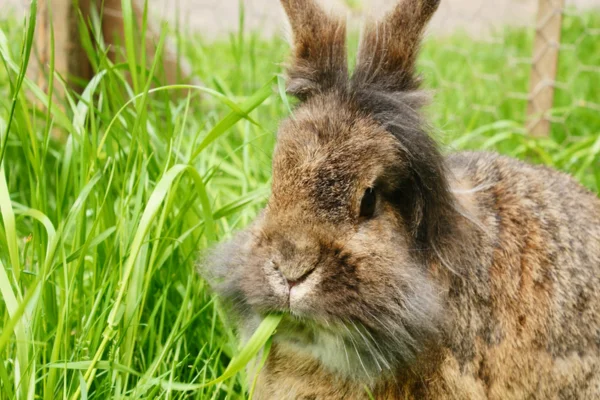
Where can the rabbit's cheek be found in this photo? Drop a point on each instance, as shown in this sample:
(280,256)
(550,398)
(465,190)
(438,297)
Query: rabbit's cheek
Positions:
(262,289)
(275,280)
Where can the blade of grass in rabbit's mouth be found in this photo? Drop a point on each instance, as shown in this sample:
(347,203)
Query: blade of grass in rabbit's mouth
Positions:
(261,336)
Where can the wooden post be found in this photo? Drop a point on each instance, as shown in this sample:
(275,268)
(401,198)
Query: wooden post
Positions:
(70,60)
(544,66)
(175,68)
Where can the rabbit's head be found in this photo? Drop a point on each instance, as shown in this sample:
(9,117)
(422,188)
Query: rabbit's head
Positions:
(360,203)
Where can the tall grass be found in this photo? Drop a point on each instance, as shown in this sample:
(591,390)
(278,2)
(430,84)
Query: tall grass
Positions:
(100,231)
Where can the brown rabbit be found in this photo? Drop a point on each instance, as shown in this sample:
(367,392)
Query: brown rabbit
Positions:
(403,274)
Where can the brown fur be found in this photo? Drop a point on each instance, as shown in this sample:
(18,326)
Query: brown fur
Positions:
(477,276)
(319,62)
(389,49)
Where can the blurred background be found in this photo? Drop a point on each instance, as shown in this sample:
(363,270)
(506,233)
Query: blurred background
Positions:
(550,30)
(216,18)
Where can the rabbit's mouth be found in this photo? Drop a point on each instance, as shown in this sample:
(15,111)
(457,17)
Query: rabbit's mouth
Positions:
(345,348)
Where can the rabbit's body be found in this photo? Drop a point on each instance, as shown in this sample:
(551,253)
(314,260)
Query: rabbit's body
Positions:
(522,310)
(399,271)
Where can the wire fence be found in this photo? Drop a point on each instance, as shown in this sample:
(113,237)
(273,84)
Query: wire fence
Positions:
(541,73)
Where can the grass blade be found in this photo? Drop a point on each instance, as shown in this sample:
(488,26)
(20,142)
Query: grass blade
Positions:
(260,337)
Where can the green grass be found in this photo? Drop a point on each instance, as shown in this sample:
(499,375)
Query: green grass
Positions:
(99,233)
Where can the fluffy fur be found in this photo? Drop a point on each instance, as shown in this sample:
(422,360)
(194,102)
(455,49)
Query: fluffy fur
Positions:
(476,277)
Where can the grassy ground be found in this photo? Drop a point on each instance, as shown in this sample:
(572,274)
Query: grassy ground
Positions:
(99,234)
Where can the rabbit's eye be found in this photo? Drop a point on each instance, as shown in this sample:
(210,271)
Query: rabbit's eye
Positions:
(368,203)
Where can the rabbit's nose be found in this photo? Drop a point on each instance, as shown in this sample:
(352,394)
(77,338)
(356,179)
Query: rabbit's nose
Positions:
(293,273)
(294,280)
(297,259)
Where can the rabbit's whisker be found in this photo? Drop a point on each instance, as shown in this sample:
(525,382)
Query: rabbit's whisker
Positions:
(377,353)
(357,352)
(475,189)
(368,346)
(343,345)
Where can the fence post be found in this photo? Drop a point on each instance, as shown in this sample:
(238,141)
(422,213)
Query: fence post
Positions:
(176,68)
(544,66)
(70,60)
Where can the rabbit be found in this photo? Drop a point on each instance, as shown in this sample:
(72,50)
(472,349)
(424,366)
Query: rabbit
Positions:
(402,273)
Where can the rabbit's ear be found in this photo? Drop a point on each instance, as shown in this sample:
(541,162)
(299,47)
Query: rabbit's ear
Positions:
(319,61)
(388,50)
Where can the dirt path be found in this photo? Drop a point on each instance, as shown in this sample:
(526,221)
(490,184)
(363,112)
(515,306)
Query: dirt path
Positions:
(218,17)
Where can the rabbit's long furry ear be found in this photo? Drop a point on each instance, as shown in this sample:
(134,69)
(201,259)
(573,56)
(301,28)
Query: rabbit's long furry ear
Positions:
(388,49)
(319,61)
